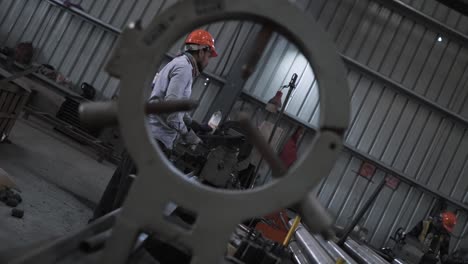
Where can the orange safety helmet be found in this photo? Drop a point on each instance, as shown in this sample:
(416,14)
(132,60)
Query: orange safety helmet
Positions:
(449,220)
(203,38)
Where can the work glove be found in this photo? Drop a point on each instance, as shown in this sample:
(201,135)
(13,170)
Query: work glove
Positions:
(190,138)
(205,128)
(200,128)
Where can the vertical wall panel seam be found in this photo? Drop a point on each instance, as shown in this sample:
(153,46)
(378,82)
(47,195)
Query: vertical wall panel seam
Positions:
(270,80)
(437,99)
(12,2)
(335,39)
(434,140)
(342,175)
(49,31)
(15,21)
(354,30)
(370,118)
(431,78)
(452,158)
(366,34)
(358,111)
(458,89)
(433,153)
(392,134)
(57,44)
(28,21)
(460,176)
(419,138)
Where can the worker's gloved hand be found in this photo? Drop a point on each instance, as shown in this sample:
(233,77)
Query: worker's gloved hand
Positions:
(200,128)
(205,128)
(190,138)
(429,258)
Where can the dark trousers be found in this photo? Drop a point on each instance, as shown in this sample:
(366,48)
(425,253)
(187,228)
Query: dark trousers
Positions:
(429,258)
(114,196)
(119,185)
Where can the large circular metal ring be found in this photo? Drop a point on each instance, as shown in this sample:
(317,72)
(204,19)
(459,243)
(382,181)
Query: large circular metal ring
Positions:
(158,182)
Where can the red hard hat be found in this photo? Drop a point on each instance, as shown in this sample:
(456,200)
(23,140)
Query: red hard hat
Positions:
(449,220)
(203,38)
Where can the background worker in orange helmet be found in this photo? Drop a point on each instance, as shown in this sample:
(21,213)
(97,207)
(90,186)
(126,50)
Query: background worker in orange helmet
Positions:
(434,236)
(173,82)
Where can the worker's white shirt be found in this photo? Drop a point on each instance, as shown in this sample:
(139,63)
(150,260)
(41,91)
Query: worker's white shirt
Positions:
(173,82)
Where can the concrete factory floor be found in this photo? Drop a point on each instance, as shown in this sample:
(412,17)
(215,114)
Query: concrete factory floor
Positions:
(60,181)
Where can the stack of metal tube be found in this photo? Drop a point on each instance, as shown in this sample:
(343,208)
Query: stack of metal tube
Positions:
(314,249)
(335,251)
(308,248)
(363,254)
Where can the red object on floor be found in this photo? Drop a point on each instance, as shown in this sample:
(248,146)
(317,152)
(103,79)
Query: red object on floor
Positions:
(276,231)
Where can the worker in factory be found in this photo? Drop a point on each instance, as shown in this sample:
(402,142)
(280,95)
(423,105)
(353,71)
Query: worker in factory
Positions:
(434,236)
(173,82)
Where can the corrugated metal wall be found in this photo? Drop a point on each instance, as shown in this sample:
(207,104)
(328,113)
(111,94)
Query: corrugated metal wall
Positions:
(79,49)
(410,137)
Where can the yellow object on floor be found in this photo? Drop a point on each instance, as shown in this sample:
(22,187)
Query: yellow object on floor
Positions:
(296,222)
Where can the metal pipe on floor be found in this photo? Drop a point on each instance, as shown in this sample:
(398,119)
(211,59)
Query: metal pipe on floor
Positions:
(361,254)
(335,251)
(298,254)
(312,249)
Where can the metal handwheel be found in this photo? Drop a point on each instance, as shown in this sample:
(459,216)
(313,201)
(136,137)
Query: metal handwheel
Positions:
(158,183)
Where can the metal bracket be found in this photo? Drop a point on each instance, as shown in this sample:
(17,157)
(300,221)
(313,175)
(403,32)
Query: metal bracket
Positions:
(159,183)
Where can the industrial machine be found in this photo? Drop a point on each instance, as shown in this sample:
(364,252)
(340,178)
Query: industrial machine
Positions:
(221,161)
(120,236)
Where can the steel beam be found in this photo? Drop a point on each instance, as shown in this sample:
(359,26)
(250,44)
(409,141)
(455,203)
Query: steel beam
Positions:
(312,249)
(425,20)
(87,17)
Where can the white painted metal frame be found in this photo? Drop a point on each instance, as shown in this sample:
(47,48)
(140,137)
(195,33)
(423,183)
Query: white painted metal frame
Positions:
(159,182)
